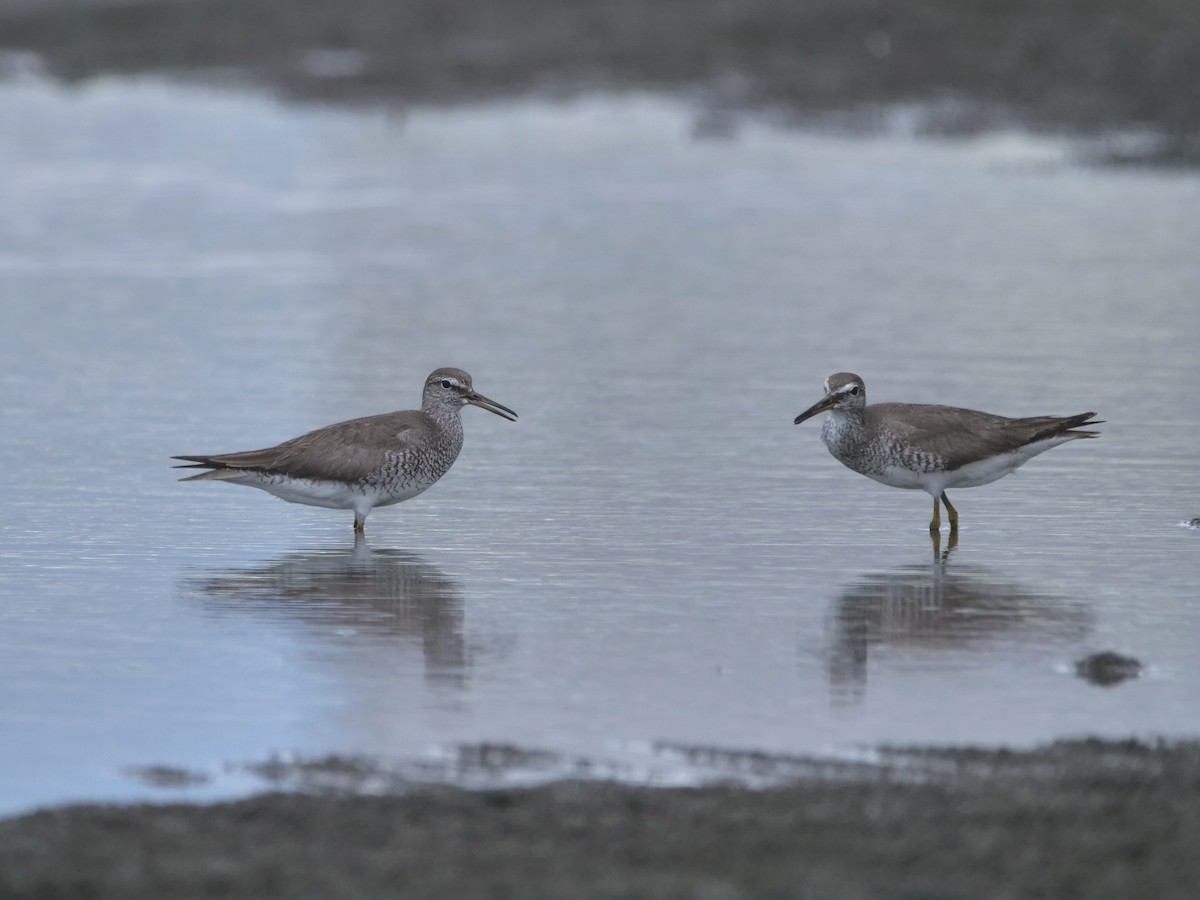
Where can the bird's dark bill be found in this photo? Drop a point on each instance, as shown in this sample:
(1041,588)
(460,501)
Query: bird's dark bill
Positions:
(492,406)
(819,407)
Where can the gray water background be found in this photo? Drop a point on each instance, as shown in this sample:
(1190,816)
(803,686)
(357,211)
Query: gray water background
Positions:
(653,557)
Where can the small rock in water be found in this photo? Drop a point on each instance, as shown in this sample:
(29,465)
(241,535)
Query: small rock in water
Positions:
(166,776)
(1194,523)
(1107,668)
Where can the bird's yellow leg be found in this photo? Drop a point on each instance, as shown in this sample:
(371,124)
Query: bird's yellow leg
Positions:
(937,515)
(951,513)
(360,523)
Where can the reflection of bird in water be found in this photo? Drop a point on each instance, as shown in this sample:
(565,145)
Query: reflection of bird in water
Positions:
(937,607)
(384,593)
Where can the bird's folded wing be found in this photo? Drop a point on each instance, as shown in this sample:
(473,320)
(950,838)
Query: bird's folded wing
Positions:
(349,451)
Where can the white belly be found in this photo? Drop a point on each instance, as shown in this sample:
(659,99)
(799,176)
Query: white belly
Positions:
(328,494)
(984,471)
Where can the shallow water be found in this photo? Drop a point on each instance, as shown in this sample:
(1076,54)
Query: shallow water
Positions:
(653,557)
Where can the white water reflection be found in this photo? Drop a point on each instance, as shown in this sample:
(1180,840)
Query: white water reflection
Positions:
(918,612)
(371,601)
(654,555)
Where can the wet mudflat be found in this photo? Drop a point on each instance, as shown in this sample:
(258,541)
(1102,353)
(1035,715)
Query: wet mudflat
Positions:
(1086,68)
(1089,820)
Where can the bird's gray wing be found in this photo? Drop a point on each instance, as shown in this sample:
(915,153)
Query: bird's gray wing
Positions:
(961,436)
(347,451)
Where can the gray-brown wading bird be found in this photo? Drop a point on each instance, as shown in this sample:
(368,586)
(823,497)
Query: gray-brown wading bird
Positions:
(932,448)
(362,463)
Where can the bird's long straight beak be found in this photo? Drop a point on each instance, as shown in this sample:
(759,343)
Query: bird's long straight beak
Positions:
(819,407)
(491,406)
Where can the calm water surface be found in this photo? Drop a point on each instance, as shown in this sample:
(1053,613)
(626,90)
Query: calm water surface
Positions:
(653,557)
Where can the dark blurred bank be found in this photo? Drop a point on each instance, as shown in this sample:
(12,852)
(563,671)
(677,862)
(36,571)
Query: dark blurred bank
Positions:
(1077,66)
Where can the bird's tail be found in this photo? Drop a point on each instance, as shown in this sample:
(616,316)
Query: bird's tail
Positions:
(217,471)
(1067,427)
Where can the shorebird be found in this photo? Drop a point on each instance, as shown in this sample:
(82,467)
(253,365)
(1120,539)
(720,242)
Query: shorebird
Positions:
(932,448)
(362,463)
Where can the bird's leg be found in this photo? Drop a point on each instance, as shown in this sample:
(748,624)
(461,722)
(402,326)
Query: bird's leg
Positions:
(937,516)
(360,522)
(951,513)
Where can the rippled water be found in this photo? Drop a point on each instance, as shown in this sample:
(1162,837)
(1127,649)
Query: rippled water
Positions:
(653,557)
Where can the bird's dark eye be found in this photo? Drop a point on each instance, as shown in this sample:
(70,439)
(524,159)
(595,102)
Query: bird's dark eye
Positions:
(446,383)
(854,390)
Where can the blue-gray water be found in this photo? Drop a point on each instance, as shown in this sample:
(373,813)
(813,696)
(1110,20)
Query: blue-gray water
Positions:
(653,553)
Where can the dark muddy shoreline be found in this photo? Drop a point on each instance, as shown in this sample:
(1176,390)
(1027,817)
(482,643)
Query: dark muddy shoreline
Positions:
(1077,68)
(1084,819)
